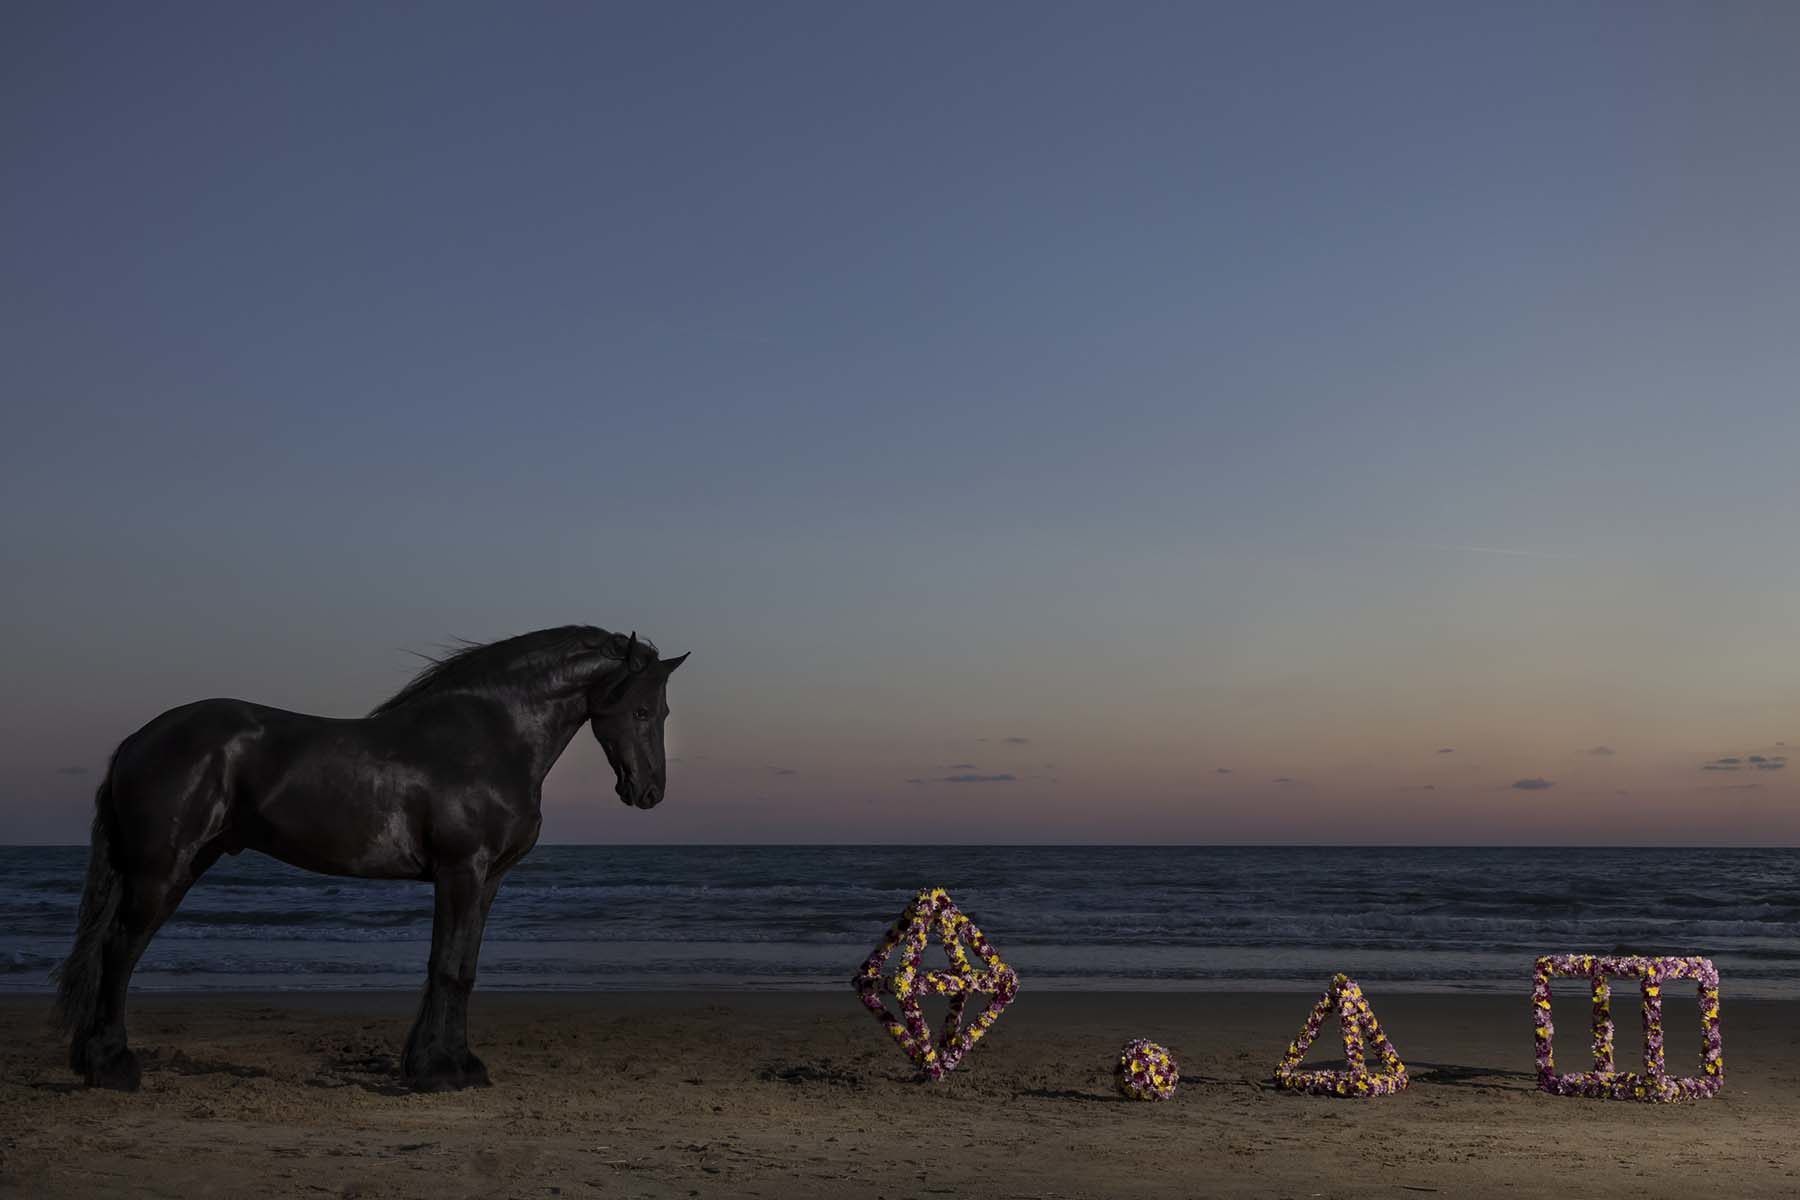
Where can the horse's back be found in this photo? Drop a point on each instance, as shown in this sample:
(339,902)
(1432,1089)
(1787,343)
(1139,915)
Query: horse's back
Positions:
(182,776)
(218,730)
(168,779)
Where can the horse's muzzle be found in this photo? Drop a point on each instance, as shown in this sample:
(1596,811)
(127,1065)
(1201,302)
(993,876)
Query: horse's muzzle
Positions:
(648,797)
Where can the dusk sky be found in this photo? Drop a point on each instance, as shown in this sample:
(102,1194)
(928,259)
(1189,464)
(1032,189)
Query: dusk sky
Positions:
(1108,422)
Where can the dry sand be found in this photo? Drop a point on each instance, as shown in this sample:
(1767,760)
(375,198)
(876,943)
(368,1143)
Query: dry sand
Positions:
(804,1095)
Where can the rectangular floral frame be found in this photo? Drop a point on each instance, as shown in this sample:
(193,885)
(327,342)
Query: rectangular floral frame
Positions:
(1605,1082)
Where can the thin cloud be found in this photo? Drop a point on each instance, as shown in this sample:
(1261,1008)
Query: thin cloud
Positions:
(1016,741)
(1535,784)
(1772,764)
(1006,777)
(1284,779)
(1600,751)
(1221,770)
(963,767)
(915,779)
(1447,750)
(1721,767)
(784,770)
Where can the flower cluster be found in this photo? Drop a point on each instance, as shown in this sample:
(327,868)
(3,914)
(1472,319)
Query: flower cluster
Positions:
(1654,1083)
(930,910)
(1146,1071)
(1362,1032)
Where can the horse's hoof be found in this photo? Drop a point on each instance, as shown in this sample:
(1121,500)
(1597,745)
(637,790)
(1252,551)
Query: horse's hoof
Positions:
(118,1071)
(446,1073)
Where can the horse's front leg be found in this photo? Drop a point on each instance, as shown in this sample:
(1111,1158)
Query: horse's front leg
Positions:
(437,1054)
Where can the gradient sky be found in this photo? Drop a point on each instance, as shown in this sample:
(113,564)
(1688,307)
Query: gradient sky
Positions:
(1368,423)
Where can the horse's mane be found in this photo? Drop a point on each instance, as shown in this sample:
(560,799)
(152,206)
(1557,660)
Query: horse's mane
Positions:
(478,666)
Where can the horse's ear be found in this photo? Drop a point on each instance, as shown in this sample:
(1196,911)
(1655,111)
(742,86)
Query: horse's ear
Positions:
(668,665)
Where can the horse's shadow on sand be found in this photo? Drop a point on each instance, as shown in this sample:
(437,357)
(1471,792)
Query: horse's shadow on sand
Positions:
(375,1073)
(180,1063)
(378,1074)
(154,1062)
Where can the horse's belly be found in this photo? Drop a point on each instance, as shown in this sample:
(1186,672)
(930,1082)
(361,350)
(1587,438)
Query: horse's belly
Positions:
(338,837)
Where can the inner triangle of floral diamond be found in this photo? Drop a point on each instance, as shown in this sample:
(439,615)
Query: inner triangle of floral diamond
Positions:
(959,937)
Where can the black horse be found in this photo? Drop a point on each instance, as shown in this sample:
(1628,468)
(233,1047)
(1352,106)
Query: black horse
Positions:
(439,783)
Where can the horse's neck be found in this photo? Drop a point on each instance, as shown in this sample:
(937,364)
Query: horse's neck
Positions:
(548,725)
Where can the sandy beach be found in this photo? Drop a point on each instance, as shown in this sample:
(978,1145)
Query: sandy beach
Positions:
(758,1094)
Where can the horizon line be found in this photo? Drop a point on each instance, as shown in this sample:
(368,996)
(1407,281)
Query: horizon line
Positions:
(1142,845)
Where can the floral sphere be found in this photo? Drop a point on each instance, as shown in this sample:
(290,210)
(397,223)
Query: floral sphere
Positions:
(1146,1071)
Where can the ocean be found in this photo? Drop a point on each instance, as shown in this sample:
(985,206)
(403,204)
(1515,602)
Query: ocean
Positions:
(1071,918)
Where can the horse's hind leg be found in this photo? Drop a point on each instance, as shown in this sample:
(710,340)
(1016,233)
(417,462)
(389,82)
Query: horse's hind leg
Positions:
(149,897)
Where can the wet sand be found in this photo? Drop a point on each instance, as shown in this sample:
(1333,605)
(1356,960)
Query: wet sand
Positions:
(691,1094)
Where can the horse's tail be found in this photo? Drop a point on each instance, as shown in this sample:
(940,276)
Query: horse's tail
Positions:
(78,978)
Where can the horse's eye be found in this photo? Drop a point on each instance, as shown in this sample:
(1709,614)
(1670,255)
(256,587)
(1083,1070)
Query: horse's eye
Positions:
(642,714)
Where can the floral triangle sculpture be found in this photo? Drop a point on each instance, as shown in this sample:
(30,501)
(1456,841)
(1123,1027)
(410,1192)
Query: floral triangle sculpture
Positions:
(932,911)
(1362,1032)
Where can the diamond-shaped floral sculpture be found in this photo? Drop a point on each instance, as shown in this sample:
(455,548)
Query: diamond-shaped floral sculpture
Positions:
(932,911)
